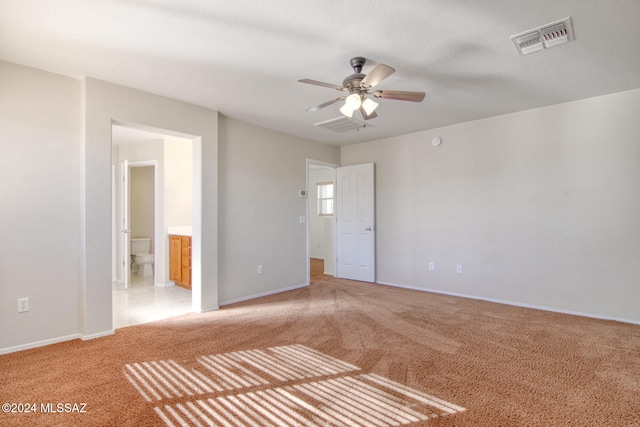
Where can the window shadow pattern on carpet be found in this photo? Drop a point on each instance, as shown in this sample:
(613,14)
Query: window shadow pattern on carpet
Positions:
(290,385)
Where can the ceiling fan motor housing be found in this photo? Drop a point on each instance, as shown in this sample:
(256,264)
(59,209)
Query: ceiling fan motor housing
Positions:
(357,63)
(352,82)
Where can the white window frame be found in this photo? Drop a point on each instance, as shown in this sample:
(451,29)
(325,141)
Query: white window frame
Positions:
(321,199)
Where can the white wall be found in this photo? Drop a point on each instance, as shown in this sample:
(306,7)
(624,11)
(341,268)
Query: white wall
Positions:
(540,207)
(40,196)
(178,181)
(261,172)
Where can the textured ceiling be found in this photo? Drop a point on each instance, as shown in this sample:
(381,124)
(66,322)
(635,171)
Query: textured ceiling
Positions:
(244,58)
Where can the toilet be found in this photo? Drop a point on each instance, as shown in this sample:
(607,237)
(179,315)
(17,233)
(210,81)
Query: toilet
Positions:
(143,258)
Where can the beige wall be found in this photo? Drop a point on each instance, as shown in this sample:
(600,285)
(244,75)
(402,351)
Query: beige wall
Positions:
(60,218)
(55,135)
(40,196)
(261,172)
(104,104)
(540,207)
(142,208)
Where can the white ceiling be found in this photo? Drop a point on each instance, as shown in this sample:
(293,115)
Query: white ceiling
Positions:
(244,57)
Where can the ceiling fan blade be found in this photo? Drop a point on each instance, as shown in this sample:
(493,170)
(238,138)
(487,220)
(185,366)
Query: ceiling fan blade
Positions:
(399,95)
(368,116)
(317,83)
(326,104)
(376,75)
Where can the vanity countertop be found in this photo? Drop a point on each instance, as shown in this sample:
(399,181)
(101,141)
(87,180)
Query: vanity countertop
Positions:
(181,230)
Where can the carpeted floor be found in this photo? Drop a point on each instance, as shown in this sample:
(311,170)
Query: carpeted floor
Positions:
(337,353)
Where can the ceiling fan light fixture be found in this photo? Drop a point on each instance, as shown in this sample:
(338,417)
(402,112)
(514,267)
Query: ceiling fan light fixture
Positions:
(369,106)
(353,101)
(346,110)
(358,86)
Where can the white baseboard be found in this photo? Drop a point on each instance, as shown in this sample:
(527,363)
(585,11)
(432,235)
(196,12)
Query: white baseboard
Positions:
(264,294)
(512,303)
(164,285)
(54,341)
(206,310)
(98,335)
(38,343)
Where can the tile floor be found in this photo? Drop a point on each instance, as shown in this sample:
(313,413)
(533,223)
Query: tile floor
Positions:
(143,302)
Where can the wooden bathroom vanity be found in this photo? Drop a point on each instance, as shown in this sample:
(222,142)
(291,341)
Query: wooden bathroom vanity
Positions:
(180,260)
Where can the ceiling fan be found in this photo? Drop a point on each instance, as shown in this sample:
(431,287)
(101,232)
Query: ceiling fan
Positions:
(359,86)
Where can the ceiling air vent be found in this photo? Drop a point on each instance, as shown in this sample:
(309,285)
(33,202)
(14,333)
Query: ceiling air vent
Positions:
(341,124)
(544,37)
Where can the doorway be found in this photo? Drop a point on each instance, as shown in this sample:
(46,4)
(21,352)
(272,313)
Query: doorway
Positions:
(346,242)
(151,167)
(142,221)
(321,217)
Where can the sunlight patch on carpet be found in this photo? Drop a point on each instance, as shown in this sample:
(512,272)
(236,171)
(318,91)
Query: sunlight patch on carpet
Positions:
(287,385)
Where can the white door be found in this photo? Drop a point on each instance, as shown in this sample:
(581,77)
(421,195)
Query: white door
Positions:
(355,228)
(125,258)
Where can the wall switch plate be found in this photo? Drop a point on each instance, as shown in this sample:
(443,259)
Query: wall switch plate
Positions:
(459,268)
(303,219)
(432,266)
(260,269)
(23,305)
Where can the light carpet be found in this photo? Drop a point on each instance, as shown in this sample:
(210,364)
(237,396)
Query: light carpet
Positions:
(338,353)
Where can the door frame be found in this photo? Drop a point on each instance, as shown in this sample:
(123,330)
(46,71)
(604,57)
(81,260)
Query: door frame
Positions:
(125,210)
(158,262)
(333,166)
(160,235)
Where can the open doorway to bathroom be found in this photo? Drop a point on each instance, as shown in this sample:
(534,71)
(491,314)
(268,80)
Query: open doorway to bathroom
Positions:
(152,191)
(141,224)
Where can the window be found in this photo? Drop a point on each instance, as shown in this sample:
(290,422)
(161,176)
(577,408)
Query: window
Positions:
(325,198)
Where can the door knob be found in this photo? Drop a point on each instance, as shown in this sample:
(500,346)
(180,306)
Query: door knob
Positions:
(368,229)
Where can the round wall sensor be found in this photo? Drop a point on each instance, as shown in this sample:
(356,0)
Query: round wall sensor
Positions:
(436,141)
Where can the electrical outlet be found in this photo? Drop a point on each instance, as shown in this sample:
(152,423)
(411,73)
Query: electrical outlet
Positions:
(23,305)
(260,269)
(459,268)
(432,266)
